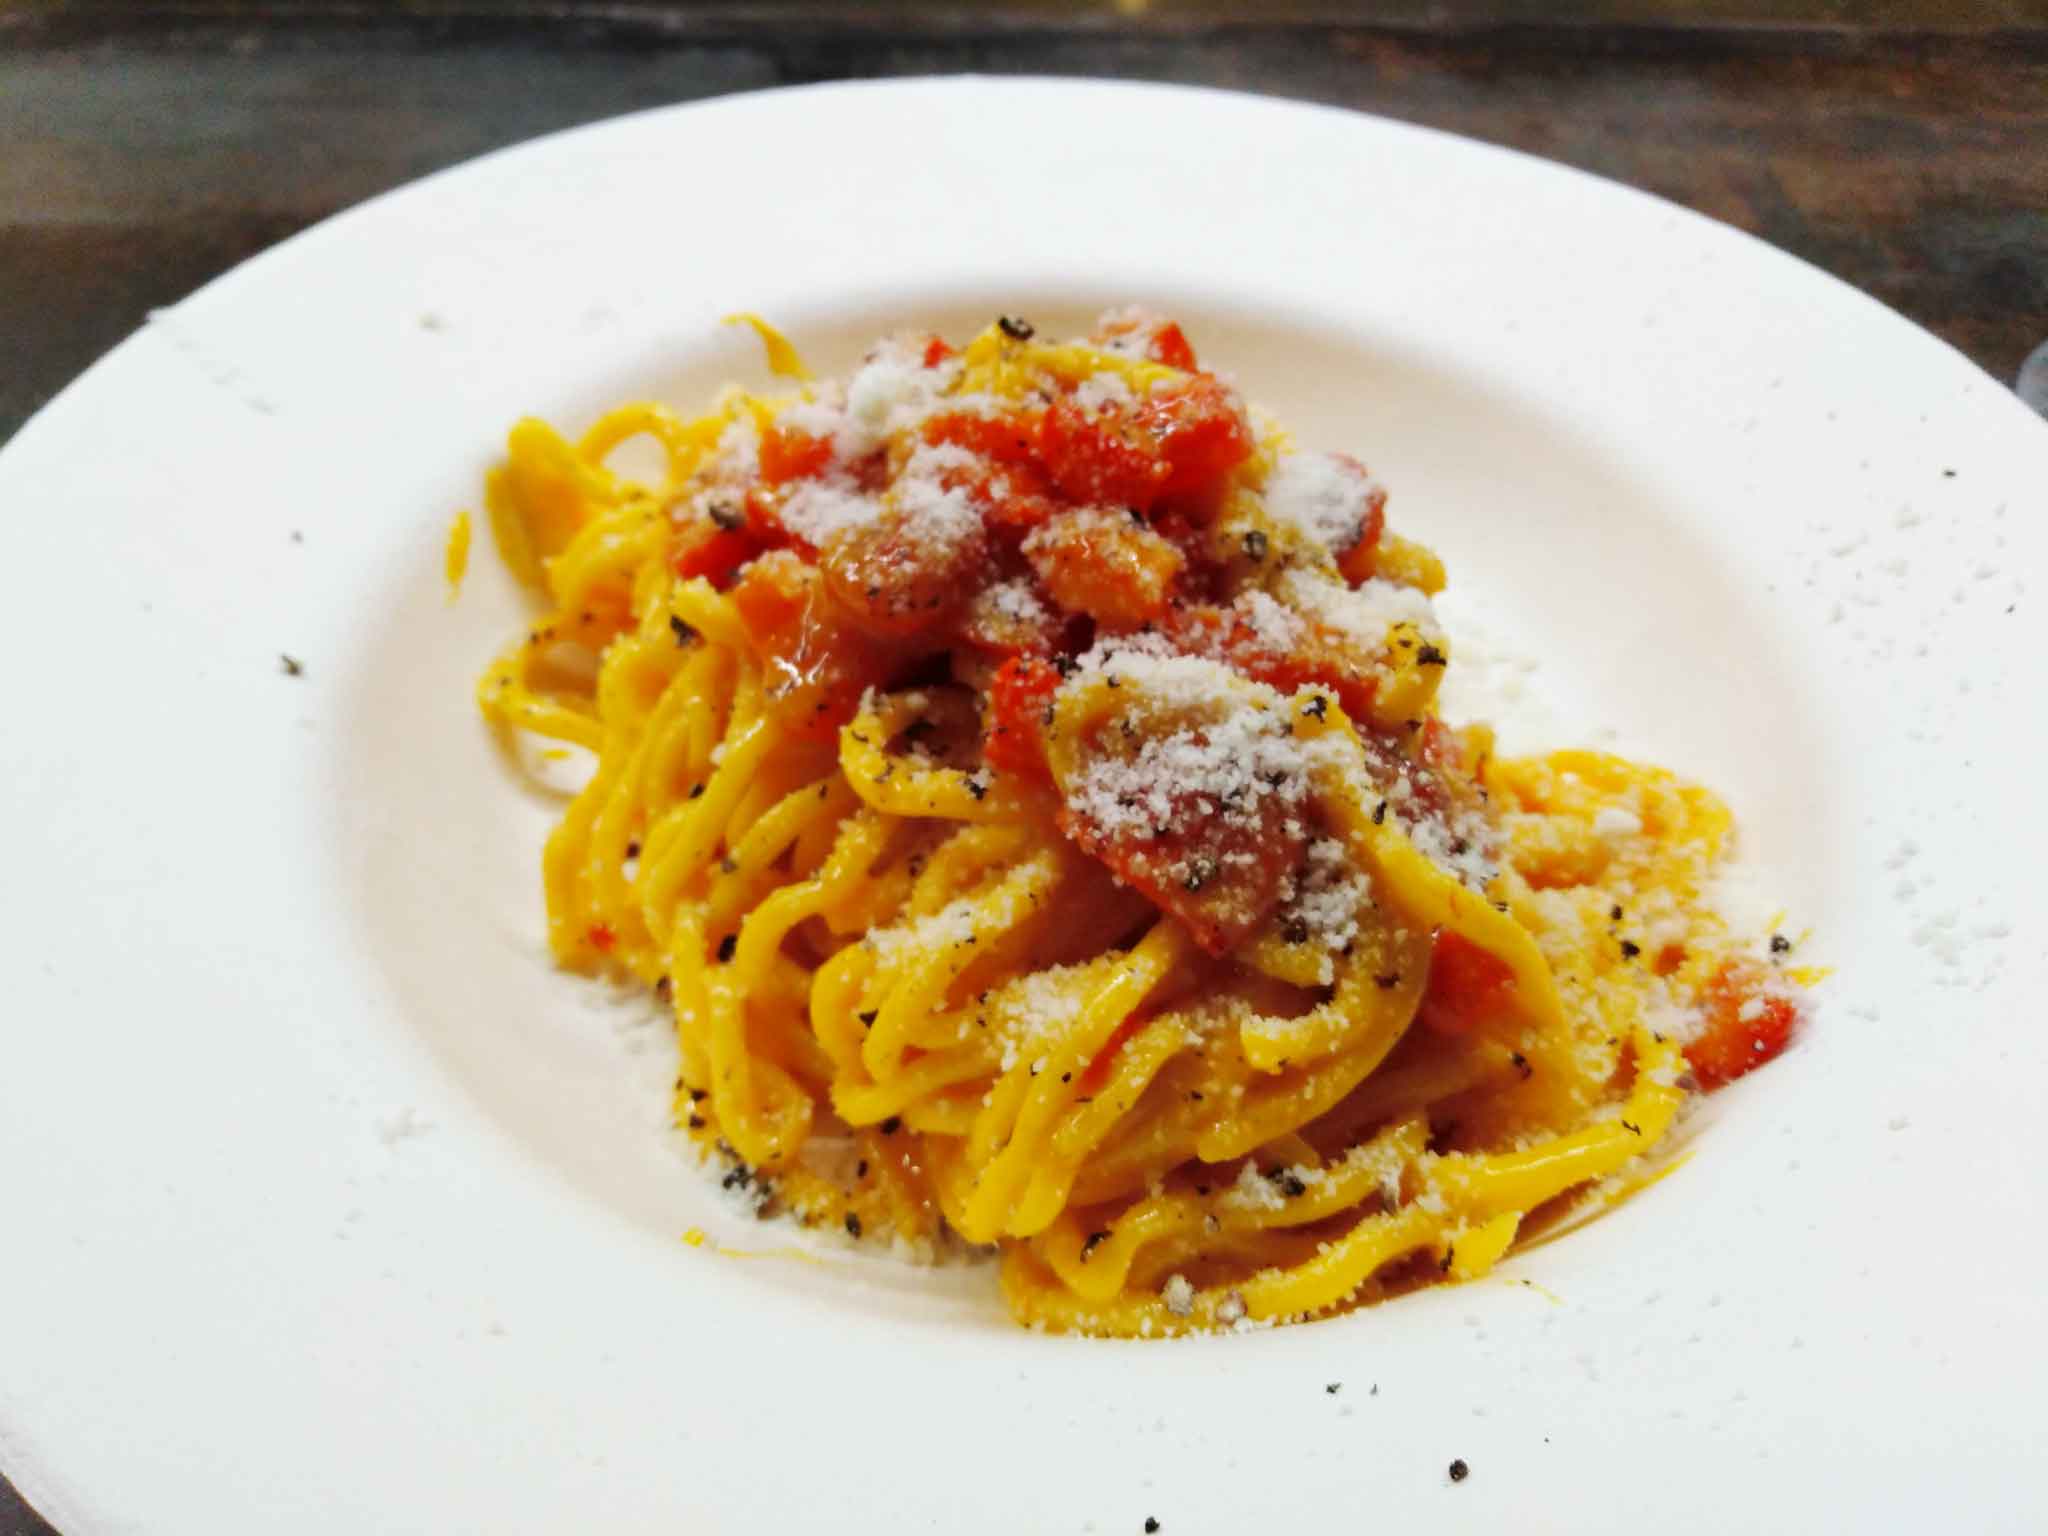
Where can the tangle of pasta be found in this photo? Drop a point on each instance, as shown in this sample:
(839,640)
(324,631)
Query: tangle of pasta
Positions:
(1019,770)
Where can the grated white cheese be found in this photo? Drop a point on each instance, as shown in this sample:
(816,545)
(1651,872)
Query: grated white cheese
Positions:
(1017,601)
(1096,394)
(814,418)
(1273,626)
(951,924)
(1613,821)
(820,511)
(1253,1191)
(1097,523)
(1114,652)
(1363,614)
(737,458)
(1135,326)
(893,392)
(1036,1006)
(936,519)
(1231,757)
(934,460)
(1322,497)
(1326,902)
(1178,1295)
(1464,851)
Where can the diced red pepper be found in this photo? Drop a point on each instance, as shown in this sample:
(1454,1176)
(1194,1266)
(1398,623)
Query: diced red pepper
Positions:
(789,454)
(705,549)
(1179,440)
(1012,490)
(1165,342)
(1468,986)
(1440,747)
(1018,699)
(602,939)
(1357,563)
(936,351)
(1169,345)
(1117,571)
(1729,1044)
(774,595)
(1011,439)
(1220,879)
(889,581)
(818,664)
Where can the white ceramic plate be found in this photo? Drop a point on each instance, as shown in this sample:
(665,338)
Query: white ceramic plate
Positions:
(329,1207)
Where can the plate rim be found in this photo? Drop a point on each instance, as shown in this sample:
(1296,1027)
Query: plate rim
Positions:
(21,1443)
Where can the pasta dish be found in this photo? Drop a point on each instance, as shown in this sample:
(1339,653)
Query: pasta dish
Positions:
(1019,770)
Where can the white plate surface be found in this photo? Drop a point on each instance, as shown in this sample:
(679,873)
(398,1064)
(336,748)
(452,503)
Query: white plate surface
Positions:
(328,1207)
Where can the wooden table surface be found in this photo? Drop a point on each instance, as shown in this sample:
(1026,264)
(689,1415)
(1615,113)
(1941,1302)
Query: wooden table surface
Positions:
(1900,144)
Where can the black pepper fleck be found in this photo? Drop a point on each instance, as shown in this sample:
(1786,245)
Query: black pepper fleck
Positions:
(1430,656)
(852,1225)
(293,667)
(1780,945)
(1255,545)
(868,1017)
(1151,1525)
(1316,708)
(1015,328)
(1630,949)
(1379,814)
(892,1125)
(726,946)
(1459,1471)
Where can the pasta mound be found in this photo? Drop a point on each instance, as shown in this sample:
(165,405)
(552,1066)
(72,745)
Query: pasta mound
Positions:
(1019,769)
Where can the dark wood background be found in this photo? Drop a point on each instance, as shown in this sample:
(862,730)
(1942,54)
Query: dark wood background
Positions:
(1901,144)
